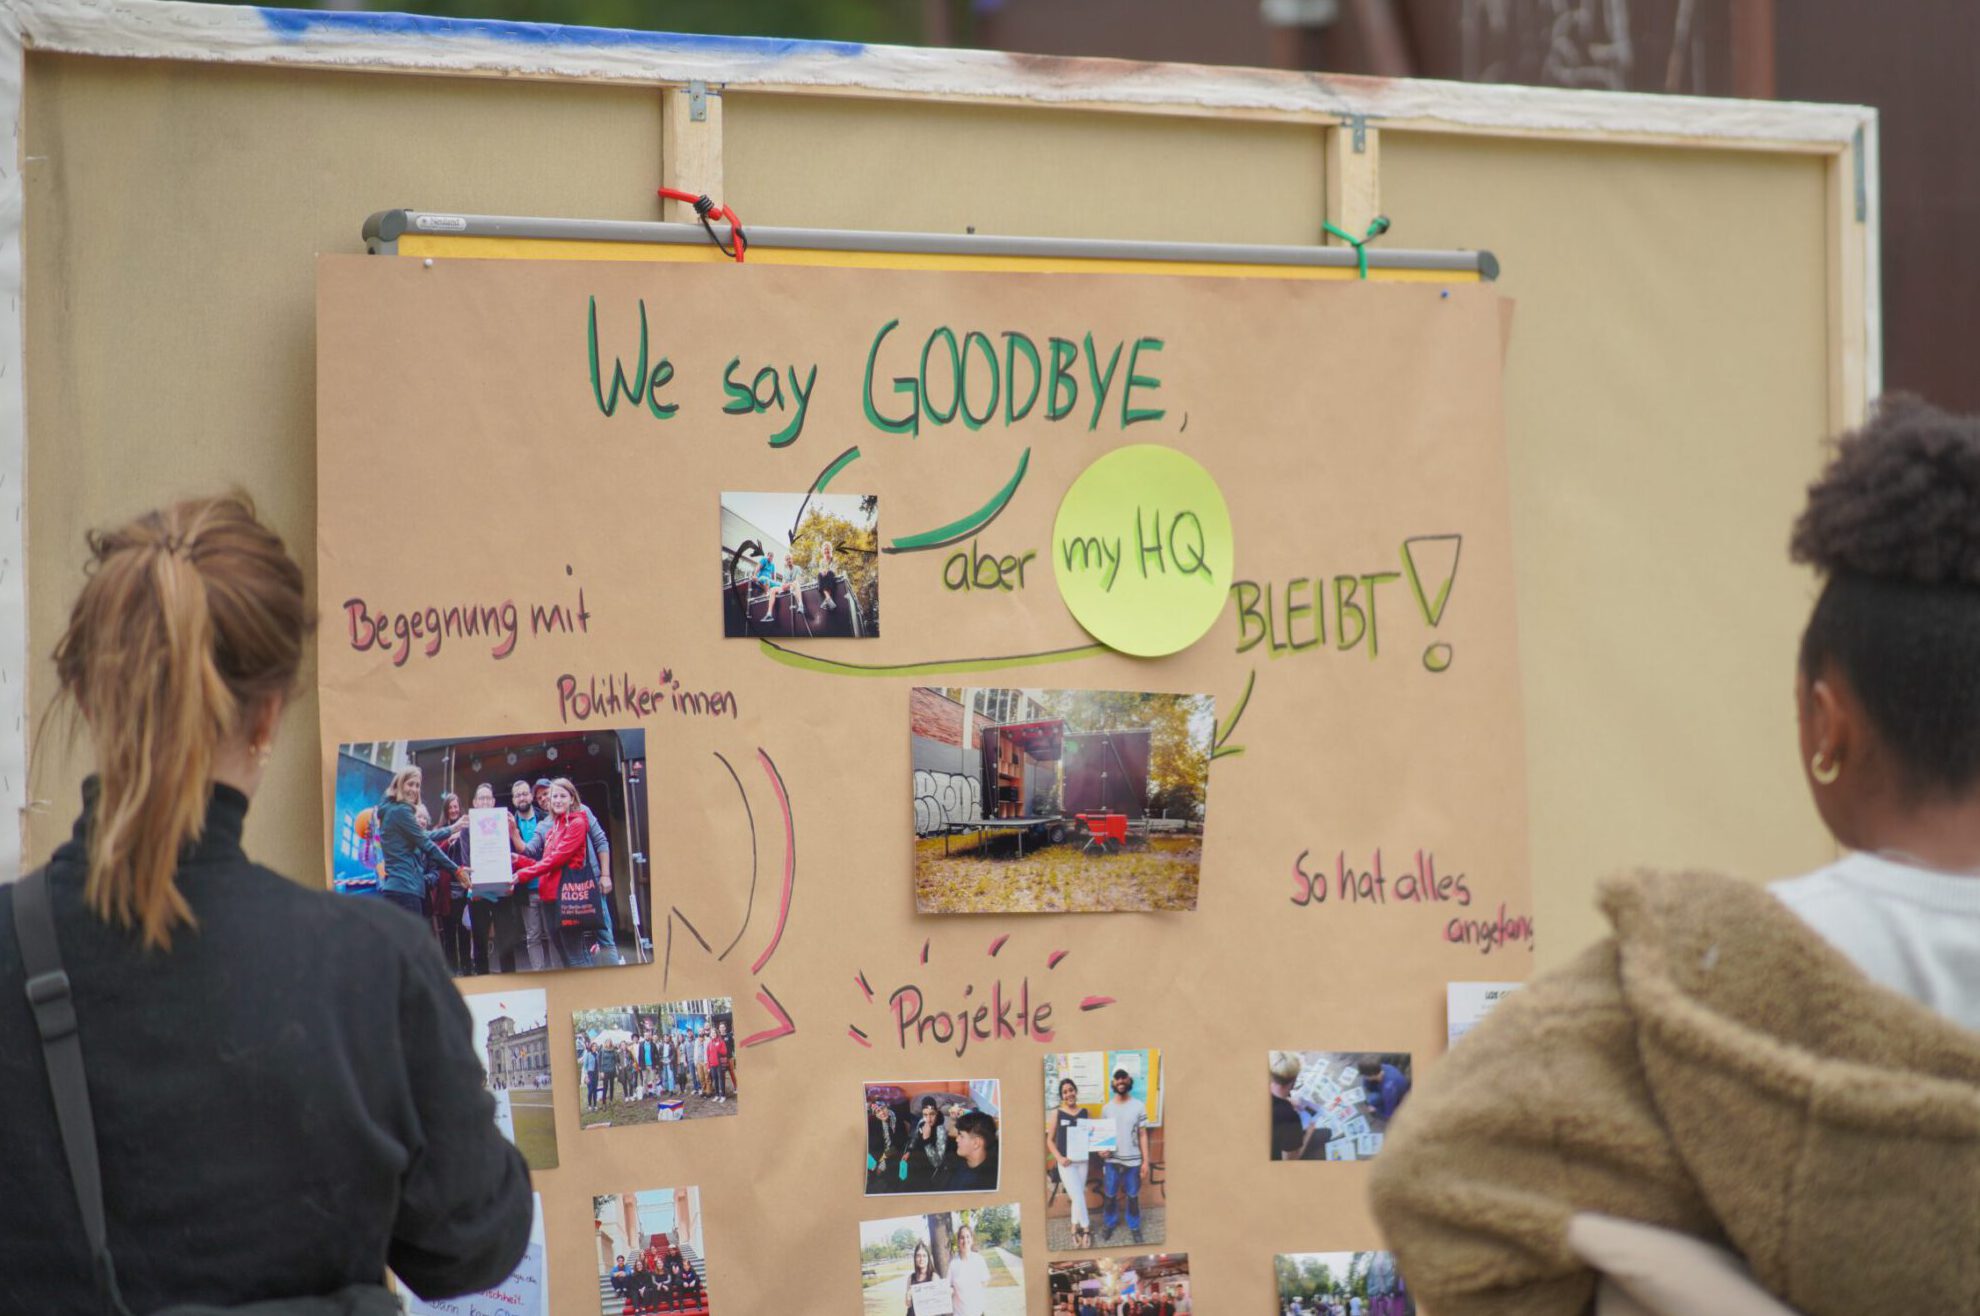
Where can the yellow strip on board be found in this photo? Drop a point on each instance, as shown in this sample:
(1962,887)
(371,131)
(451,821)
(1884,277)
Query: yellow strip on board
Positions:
(490,248)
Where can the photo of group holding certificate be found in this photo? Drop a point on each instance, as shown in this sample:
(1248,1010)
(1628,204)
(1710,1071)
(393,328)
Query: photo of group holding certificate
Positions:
(520,852)
(1104,1149)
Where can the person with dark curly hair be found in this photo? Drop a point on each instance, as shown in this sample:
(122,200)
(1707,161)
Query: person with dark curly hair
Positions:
(1789,1072)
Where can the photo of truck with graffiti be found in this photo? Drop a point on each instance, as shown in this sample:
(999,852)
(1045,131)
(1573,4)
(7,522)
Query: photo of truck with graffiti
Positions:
(1047,801)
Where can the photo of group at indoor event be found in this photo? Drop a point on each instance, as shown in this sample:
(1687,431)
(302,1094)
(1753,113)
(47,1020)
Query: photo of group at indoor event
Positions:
(567,887)
(1155,1285)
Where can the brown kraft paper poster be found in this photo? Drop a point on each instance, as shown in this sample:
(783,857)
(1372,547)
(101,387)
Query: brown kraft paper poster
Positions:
(1367,839)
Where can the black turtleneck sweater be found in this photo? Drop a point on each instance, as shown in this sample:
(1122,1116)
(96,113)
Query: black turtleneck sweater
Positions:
(287,1101)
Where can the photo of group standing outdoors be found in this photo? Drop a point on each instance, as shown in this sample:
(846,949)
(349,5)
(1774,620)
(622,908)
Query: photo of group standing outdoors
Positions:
(642,1064)
(521,853)
(946,1263)
(1122,1286)
(1341,1284)
(933,1136)
(650,1254)
(1048,801)
(1334,1105)
(1104,1149)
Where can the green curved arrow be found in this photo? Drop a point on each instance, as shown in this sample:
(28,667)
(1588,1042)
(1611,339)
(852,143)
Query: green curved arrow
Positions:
(942,536)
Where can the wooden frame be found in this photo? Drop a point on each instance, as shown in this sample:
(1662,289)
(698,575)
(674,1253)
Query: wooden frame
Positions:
(693,72)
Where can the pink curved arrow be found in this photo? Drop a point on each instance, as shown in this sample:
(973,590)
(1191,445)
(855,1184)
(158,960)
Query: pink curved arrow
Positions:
(784,1026)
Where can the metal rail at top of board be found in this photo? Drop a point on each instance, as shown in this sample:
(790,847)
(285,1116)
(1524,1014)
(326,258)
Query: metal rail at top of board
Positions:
(384,232)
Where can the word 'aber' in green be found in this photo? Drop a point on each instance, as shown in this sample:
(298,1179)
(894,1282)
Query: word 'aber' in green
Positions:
(968,569)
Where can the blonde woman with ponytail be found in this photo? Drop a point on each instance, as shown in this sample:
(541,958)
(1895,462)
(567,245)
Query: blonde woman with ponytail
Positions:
(284,1095)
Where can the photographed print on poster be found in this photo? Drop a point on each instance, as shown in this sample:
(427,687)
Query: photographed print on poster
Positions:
(1122,1286)
(801,566)
(1341,1284)
(1467,1003)
(933,1136)
(945,1263)
(526,1292)
(512,1037)
(421,824)
(651,1257)
(1105,1145)
(1334,1105)
(641,1064)
(1036,801)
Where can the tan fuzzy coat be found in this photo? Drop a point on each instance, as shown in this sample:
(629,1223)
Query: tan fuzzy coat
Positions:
(1714,1067)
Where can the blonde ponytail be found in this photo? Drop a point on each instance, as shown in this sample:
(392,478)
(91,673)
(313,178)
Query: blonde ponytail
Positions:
(191,620)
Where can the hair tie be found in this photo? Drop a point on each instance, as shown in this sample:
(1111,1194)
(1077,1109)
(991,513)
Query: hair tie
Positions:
(177,546)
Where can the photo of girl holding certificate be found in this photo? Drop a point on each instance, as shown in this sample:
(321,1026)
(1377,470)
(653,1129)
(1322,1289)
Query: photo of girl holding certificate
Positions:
(1072,1173)
(923,1273)
(944,1263)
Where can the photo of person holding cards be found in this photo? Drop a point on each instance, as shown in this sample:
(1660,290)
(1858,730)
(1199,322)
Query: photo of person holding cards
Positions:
(1333,1105)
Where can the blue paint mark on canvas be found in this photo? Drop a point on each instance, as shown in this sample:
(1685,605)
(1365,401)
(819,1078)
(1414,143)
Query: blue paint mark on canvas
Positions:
(295,24)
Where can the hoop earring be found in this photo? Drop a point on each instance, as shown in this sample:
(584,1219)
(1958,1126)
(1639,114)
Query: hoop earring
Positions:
(1825,774)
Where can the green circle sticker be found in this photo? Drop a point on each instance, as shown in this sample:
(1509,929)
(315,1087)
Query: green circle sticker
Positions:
(1142,550)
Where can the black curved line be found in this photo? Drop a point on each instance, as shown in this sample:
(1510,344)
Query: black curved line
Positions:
(790,822)
(749,813)
(735,555)
(799,519)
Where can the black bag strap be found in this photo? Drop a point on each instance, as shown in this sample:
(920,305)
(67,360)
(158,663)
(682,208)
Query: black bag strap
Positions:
(54,1008)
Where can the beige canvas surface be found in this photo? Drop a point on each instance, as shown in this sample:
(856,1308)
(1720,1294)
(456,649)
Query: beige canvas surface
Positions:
(1666,404)
(1340,421)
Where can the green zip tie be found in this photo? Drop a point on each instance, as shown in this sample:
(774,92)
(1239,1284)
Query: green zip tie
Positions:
(1376,228)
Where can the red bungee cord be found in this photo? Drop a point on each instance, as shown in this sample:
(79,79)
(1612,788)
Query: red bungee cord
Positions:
(705,209)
